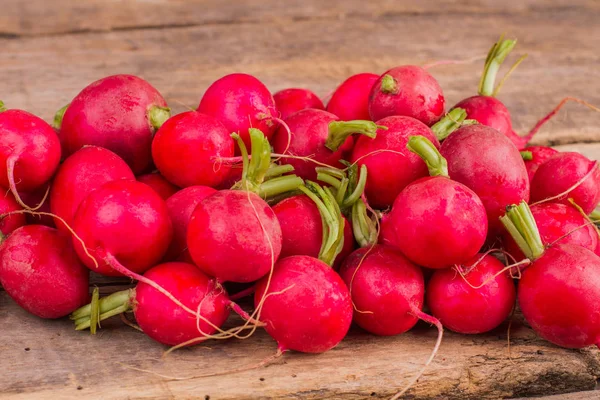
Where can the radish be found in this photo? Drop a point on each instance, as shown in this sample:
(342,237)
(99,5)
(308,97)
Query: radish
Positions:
(558,223)
(156,314)
(306,306)
(351,99)
(80,174)
(289,101)
(302,229)
(387,230)
(488,163)
(185,146)
(476,302)
(409,91)
(159,184)
(437,213)
(534,156)
(40,271)
(320,135)
(565,176)
(29,152)
(9,222)
(391,166)
(234,235)
(181,205)
(559,291)
(387,289)
(485,107)
(124,225)
(241,102)
(40,201)
(120,113)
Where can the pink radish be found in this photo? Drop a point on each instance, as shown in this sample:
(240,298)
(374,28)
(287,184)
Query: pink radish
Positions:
(8,204)
(559,291)
(437,213)
(535,156)
(185,147)
(241,102)
(488,163)
(306,307)
(565,176)
(234,235)
(125,220)
(319,135)
(181,205)
(391,166)
(485,108)
(476,302)
(157,315)
(120,113)
(351,99)
(387,289)
(40,271)
(159,184)
(408,91)
(558,224)
(29,151)
(80,174)
(289,101)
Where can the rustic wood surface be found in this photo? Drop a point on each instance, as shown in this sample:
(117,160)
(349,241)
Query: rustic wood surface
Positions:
(51,50)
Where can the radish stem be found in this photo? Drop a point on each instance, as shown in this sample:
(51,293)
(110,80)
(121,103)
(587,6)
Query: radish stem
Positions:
(421,146)
(339,131)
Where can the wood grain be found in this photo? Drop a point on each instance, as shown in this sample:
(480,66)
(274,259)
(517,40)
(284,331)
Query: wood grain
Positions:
(49,360)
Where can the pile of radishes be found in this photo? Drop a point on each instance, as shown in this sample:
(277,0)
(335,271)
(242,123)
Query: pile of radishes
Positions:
(366,210)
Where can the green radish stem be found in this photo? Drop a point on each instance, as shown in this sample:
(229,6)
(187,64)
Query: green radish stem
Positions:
(363,227)
(451,122)
(276,186)
(2,108)
(499,51)
(275,170)
(339,131)
(421,146)
(519,222)
(58,117)
(98,310)
(526,155)
(595,216)
(389,85)
(156,115)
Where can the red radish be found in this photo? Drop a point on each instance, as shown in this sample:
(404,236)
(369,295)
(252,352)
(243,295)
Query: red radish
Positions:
(409,91)
(302,228)
(556,178)
(124,219)
(559,291)
(241,102)
(558,223)
(8,204)
(289,101)
(391,166)
(386,289)
(40,271)
(80,174)
(485,108)
(437,213)
(120,113)
(462,305)
(181,206)
(488,163)
(159,184)
(351,99)
(306,306)
(29,151)
(157,315)
(535,156)
(320,135)
(387,231)
(185,147)
(40,200)
(234,235)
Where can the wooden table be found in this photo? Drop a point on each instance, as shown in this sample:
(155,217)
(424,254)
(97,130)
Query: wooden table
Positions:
(50,50)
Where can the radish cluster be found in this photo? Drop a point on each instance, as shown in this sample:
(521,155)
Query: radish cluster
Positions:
(364,209)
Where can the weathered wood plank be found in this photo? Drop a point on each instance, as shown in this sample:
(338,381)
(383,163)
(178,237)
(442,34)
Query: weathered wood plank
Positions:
(35,17)
(49,360)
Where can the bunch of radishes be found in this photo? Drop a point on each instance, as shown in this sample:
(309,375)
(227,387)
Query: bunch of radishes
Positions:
(278,191)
